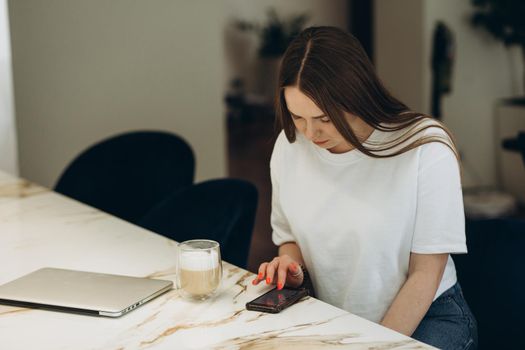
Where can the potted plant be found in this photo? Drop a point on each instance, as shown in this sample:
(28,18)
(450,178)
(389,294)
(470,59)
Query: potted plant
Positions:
(274,37)
(505,20)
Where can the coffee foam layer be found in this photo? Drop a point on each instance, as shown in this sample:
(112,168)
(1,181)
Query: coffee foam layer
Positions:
(199,260)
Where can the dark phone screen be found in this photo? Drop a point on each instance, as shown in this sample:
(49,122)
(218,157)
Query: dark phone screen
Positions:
(275,297)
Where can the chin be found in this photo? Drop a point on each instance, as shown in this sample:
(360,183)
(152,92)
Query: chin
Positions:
(332,148)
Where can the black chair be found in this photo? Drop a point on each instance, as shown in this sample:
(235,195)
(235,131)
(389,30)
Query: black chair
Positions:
(128,174)
(147,178)
(222,210)
(492,276)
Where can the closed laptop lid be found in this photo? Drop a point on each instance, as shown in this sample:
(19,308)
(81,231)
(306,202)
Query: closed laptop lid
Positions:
(81,291)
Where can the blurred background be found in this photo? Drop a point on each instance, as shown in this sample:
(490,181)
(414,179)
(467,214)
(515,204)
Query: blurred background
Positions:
(74,72)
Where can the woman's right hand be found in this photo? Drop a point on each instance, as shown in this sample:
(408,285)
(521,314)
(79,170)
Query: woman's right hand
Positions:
(282,270)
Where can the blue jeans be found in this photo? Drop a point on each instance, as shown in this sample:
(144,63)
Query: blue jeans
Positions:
(449,323)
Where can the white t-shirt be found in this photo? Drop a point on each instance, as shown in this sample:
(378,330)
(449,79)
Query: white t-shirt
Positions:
(356,218)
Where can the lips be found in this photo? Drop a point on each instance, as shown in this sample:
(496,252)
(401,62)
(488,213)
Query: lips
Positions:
(320,142)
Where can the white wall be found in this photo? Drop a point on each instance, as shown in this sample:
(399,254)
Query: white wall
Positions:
(85,70)
(398,49)
(482,75)
(8,149)
(484,72)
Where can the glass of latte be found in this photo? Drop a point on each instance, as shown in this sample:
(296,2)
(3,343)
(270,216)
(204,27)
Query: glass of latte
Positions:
(199,268)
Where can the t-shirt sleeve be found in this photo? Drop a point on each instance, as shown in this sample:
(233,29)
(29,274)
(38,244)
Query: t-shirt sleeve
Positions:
(281,232)
(440,220)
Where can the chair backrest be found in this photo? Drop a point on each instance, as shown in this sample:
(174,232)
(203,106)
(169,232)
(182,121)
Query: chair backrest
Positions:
(492,276)
(126,175)
(222,210)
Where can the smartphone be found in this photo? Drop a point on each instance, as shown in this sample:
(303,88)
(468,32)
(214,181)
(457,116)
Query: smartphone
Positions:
(275,300)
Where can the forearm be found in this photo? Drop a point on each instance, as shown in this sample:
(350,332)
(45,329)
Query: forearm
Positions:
(292,250)
(411,303)
(415,296)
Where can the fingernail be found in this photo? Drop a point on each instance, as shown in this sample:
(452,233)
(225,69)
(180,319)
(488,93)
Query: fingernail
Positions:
(294,268)
(279,286)
(254,282)
(268,280)
(260,275)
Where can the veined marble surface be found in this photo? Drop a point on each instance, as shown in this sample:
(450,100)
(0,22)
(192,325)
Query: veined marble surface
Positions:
(40,228)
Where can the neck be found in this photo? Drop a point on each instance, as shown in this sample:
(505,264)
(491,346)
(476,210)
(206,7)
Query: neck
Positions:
(361,129)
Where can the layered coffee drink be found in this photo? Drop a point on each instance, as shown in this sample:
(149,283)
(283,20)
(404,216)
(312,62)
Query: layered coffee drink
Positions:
(199,268)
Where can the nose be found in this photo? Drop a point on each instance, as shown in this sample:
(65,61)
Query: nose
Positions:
(310,131)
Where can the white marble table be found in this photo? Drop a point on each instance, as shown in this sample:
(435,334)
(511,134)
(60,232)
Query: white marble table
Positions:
(41,228)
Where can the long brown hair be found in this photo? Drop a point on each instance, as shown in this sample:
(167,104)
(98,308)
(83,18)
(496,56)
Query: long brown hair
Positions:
(330,66)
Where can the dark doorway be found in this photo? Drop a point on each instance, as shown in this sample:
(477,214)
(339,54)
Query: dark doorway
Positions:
(361,24)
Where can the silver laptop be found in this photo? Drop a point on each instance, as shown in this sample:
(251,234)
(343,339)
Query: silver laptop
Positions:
(81,292)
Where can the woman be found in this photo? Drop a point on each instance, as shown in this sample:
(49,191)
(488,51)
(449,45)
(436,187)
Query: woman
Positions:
(366,202)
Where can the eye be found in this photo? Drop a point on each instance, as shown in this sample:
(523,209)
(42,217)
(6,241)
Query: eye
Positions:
(295,117)
(325,119)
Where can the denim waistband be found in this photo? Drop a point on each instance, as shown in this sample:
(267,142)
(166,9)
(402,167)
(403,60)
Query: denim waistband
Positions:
(455,289)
